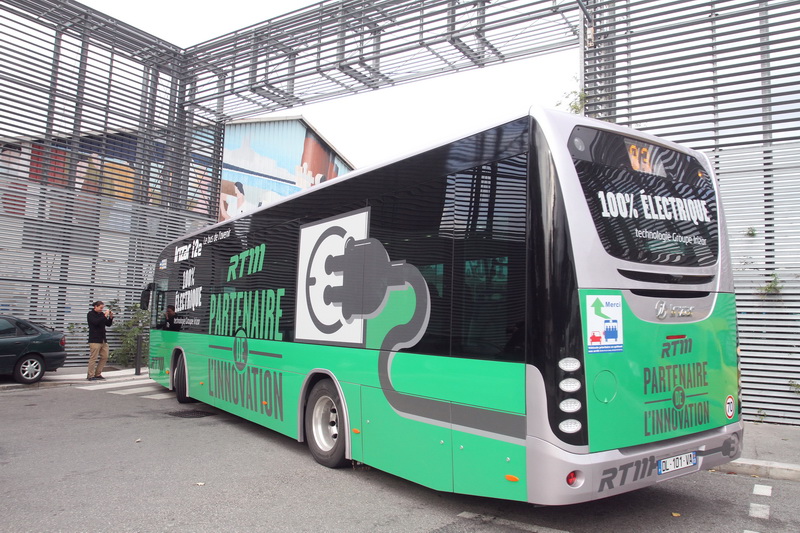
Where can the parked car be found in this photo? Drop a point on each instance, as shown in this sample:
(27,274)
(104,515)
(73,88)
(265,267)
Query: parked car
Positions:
(27,350)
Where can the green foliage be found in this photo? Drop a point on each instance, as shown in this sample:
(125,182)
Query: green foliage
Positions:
(751,232)
(575,101)
(773,286)
(794,386)
(137,324)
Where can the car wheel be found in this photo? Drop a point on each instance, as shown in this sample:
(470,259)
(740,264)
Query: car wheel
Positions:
(29,369)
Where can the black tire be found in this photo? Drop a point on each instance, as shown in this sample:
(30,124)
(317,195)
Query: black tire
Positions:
(323,420)
(29,369)
(179,380)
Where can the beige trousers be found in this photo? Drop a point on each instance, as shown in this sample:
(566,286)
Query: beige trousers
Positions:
(97,350)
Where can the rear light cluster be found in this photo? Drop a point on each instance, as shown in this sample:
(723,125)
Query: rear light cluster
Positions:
(571,388)
(63,341)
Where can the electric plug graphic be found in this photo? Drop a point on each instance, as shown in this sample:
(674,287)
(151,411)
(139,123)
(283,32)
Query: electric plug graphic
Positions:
(367,276)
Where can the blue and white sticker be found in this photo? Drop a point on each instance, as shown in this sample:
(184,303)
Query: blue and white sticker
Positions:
(604,323)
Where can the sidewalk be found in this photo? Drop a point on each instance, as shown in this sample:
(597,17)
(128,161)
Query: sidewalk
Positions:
(770,451)
(77,376)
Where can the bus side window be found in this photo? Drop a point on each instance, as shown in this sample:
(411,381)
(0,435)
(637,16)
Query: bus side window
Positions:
(157,310)
(489,217)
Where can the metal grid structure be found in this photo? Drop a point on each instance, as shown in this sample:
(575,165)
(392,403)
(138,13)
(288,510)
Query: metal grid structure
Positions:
(111,138)
(721,76)
(99,164)
(341,47)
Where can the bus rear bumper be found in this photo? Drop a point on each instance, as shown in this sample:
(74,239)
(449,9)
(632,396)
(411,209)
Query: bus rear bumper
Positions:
(602,474)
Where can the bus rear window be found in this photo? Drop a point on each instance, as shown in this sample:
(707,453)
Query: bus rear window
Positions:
(649,204)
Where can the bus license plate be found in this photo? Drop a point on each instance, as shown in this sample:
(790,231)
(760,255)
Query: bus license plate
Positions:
(671,464)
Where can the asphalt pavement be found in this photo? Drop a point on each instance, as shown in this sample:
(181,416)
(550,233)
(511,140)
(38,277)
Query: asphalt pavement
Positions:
(770,450)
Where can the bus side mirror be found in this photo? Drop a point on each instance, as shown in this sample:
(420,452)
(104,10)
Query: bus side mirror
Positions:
(144,300)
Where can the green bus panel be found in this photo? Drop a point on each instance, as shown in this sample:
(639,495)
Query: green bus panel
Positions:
(489,384)
(160,358)
(496,385)
(656,380)
(416,451)
(483,466)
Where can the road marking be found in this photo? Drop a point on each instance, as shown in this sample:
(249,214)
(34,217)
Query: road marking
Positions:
(758,510)
(149,388)
(762,490)
(136,386)
(162,396)
(114,385)
(509,523)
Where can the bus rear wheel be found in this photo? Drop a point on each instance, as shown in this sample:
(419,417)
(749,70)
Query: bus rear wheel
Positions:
(323,421)
(181,392)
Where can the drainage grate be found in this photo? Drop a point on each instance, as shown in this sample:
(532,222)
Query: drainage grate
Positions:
(194,413)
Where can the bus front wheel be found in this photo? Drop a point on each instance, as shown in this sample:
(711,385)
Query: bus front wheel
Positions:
(323,421)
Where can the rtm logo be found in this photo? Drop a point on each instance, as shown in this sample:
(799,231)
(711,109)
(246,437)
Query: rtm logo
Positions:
(628,472)
(320,316)
(676,345)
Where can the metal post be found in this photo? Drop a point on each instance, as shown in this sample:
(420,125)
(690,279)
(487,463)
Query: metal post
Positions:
(138,358)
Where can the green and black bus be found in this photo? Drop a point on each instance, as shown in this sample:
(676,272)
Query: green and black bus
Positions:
(541,311)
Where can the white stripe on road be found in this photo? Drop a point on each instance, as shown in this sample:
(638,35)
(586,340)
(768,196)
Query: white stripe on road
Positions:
(489,519)
(758,510)
(162,396)
(149,388)
(114,384)
(762,490)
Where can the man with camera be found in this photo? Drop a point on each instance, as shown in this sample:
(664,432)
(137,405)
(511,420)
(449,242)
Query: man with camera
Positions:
(98,318)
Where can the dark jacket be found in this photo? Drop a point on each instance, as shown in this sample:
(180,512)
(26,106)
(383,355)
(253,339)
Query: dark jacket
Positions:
(97,326)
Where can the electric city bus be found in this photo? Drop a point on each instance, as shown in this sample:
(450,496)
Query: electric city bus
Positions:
(542,311)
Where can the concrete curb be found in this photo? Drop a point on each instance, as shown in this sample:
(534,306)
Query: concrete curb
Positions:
(53,379)
(765,469)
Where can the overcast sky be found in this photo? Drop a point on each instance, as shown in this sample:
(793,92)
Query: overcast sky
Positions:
(383,124)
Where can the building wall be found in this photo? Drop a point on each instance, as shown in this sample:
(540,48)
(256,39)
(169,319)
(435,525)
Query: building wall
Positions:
(271,159)
(721,77)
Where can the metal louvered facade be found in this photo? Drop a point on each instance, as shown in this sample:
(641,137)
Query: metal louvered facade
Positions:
(112,139)
(99,167)
(722,77)
(342,47)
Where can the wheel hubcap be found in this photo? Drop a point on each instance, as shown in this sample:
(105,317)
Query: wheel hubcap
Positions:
(31,369)
(325,423)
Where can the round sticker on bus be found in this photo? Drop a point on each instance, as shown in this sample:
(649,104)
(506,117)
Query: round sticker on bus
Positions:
(729,407)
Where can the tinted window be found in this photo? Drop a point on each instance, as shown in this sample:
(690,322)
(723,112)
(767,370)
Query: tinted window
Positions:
(7,328)
(465,232)
(486,216)
(650,204)
(27,329)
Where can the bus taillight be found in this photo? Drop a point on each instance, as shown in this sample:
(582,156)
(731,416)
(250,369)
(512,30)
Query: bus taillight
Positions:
(570,425)
(570,405)
(572,477)
(569,364)
(571,385)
